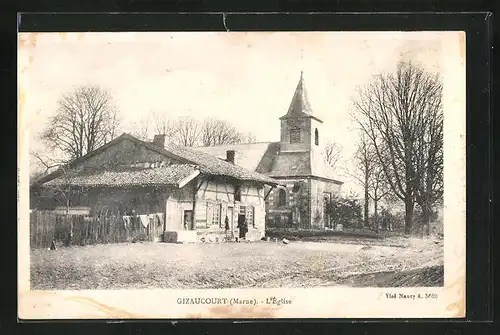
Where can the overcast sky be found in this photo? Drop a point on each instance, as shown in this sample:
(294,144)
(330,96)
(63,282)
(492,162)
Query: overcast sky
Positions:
(247,79)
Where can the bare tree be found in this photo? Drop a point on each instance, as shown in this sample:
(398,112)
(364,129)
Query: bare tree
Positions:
(65,191)
(378,190)
(365,164)
(142,129)
(392,111)
(186,131)
(218,132)
(428,161)
(166,126)
(44,163)
(369,174)
(86,118)
(249,138)
(332,153)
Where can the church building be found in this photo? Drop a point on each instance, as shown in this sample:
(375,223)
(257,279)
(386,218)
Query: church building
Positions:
(297,162)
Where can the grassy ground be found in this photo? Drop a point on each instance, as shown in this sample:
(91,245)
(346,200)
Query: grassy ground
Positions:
(401,262)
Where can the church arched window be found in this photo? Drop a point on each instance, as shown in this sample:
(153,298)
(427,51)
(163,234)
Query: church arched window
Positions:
(282,198)
(316,136)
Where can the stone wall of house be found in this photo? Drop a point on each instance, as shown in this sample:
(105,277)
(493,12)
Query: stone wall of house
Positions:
(319,190)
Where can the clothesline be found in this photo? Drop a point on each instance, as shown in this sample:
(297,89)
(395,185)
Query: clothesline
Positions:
(145,219)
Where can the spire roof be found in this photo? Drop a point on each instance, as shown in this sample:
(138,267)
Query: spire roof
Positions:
(299,106)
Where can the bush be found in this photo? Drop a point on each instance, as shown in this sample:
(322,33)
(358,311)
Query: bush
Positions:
(345,211)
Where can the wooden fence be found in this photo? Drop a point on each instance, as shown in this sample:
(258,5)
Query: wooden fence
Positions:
(67,230)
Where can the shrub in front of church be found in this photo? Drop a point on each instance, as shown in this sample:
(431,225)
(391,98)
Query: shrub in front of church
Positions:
(346,211)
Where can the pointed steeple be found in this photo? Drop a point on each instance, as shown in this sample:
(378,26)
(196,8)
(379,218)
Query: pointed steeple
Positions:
(299,106)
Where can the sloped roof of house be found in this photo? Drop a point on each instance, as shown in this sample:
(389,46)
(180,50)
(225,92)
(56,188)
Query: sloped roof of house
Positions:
(266,158)
(214,166)
(173,175)
(247,155)
(205,163)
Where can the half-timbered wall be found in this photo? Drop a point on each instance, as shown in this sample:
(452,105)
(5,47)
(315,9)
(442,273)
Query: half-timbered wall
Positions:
(215,199)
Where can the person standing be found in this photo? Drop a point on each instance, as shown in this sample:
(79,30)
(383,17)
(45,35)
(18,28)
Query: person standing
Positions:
(243,227)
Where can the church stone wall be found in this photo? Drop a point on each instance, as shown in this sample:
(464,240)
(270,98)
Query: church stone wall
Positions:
(297,209)
(319,190)
(304,124)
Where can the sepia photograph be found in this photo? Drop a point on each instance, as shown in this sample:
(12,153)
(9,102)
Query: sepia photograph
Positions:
(241,174)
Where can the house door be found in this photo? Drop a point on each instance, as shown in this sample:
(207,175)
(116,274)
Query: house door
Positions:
(188,220)
(241,220)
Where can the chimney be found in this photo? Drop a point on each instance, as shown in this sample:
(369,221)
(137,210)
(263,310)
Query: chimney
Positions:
(230,156)
(159,140)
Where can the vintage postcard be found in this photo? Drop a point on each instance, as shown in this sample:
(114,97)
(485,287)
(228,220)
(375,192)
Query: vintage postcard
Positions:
(240,175)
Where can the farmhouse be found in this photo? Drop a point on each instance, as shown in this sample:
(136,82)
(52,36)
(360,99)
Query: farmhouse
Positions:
(192,191)
(297,161)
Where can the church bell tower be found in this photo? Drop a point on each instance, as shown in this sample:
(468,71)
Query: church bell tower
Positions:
(300,129)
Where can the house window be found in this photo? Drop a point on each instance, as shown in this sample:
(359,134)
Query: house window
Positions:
(216,215)
(213,214)
(282,198)
(295,136)
(243,210)
(316,136)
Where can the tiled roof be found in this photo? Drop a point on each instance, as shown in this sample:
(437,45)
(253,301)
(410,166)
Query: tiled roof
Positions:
(266,158)
(247,155)
(172,175)
(214,166)
(206,163)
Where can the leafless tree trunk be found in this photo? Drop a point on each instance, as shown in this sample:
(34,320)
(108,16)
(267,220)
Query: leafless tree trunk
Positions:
(428,159)
(378,190)
(369,175)
(392,110)
(364,162)
(86,119)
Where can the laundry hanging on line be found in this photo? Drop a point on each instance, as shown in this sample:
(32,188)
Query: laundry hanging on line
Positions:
(144,220)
